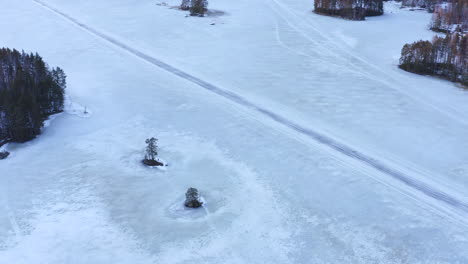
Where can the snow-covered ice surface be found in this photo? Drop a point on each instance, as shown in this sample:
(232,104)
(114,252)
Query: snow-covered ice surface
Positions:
(79,194)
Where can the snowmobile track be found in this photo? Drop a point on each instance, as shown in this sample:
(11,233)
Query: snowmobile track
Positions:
(411,182)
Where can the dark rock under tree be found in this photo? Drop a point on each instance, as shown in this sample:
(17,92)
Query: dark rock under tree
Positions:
(4,154)
(152,163)
(192,198)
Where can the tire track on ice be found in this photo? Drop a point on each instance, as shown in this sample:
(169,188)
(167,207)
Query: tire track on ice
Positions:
(329,142)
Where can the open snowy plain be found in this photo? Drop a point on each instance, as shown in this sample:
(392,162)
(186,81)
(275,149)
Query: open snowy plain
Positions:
(307,142)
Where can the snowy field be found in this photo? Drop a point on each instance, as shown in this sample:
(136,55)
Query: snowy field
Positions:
(307,142)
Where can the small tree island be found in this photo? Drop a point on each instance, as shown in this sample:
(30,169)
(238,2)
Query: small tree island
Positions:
(192,198)
(152,153)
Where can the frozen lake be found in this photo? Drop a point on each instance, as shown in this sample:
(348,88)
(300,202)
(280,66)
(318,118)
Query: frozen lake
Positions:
(268,112)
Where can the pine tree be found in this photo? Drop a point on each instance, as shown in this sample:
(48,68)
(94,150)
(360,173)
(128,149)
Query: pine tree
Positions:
(152,153)
(198,7)
(151,148)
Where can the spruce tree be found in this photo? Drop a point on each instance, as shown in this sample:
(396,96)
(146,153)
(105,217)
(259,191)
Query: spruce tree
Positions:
(151,148)
(198,7)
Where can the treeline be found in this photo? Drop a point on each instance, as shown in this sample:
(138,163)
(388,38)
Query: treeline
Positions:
(449,16)
(29,93)
(349,9)
(443,56)
(429,5)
